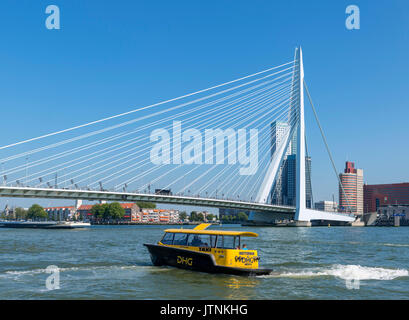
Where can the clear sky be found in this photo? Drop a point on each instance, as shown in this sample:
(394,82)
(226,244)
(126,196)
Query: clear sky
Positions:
(112,56)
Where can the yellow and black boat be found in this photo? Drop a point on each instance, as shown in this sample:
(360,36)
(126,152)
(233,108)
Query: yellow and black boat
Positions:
(213,251)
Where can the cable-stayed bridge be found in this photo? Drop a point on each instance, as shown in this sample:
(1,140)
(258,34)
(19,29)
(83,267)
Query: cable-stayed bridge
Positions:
(213,147)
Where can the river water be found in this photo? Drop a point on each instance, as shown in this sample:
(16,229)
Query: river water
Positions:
(110,262)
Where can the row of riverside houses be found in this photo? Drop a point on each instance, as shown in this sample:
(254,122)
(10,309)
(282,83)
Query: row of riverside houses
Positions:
(133,214)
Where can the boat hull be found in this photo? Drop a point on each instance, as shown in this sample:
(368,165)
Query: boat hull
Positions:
(195,261)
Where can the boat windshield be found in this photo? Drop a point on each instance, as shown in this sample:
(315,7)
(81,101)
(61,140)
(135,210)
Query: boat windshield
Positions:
(167,238)
(180,239)
(202,240)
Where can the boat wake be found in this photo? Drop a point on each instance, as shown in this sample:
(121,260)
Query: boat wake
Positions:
(111,268)
(346,272)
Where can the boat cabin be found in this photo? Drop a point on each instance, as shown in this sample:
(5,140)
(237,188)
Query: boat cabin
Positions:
(225,246)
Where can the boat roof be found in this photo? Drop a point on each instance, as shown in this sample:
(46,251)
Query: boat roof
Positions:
(201,229)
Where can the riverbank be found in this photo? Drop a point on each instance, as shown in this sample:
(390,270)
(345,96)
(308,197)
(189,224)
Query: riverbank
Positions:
(129,223)
(44,224)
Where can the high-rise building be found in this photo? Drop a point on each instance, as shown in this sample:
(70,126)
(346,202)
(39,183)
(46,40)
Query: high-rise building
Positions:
(289,178)
(293,143)
(351,196)
(328,206)
(276,194)
(278,130)
(360,191)
(308,185)
(378,195)
(284,188)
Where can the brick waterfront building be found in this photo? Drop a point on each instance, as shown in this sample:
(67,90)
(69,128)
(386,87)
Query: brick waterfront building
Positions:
(377,195)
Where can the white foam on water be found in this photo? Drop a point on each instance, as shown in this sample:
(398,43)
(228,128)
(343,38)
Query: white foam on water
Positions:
(396,244)
(85,268)
(346,272)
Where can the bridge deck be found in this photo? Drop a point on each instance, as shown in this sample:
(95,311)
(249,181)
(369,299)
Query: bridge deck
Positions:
(26,192)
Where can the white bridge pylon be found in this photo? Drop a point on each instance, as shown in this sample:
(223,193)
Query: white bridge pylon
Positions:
(297,125)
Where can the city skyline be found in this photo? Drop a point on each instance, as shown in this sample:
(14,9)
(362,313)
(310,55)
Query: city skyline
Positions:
(348,52)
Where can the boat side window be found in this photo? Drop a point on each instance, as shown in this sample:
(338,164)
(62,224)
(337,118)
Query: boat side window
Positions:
(201,240)
(167,238)
(229,242)
(180,239)
(213,241)
(219,242)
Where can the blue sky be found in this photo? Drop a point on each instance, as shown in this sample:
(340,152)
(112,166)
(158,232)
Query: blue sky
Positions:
(113,56)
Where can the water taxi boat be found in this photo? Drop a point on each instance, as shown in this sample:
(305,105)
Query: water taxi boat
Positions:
(213,251)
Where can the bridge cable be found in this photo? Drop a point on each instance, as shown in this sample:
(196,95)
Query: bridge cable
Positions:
(140,109)
(22,167)
(147,161)
(326,145)
(130,181)
(140,118)
(137,139)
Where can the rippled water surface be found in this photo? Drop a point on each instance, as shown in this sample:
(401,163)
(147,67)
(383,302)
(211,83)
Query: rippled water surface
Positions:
(110,262)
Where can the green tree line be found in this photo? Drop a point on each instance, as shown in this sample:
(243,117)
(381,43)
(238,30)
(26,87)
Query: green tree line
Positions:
(35,212)
(241,217)
(146,205)
(108,211)
(197,217)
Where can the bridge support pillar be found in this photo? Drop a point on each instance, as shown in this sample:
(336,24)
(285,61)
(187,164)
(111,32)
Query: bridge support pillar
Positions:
(78,203)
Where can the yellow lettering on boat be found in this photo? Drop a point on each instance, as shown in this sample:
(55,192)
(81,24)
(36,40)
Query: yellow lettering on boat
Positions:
(183,260)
